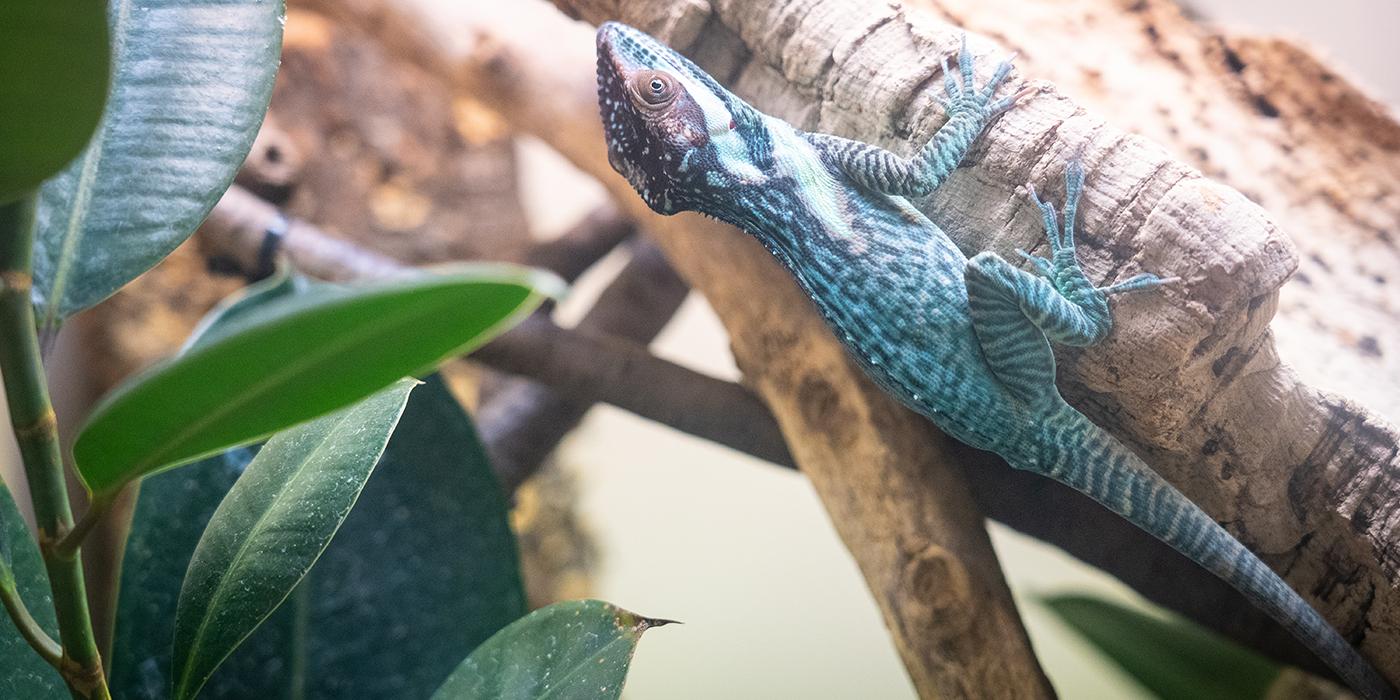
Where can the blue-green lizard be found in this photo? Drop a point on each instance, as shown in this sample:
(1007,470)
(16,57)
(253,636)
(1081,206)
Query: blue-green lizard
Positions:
(964,342)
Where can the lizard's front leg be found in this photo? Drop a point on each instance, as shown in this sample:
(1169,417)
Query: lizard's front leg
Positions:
(1014,311)
(969,112)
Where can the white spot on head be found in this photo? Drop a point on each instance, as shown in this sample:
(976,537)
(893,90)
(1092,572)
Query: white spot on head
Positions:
(729,145)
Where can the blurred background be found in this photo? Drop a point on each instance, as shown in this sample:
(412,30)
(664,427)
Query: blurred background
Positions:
(629,511)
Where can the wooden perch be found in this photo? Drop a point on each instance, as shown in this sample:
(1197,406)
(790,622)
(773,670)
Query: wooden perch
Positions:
(522,421)
(895,498)
(1190,379)
(601,360)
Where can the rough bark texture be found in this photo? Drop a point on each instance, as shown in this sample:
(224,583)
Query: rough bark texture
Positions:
(1191,378)
(923,550)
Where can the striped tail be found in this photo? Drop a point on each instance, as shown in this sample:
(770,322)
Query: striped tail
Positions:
(1080,454)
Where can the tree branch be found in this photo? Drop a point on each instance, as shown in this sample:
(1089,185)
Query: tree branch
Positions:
(583,366)
(1190,379)
(524,420)
(941,572)
(923,551)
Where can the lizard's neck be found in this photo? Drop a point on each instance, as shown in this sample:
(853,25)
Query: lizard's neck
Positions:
(798,207)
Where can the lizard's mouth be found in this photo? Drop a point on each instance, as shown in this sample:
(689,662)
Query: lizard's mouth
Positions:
(614,105)
(621,55)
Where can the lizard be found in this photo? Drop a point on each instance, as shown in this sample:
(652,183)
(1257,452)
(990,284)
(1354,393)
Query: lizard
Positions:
(963,341)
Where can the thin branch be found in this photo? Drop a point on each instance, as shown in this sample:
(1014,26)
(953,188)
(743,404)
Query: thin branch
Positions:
(585,243)
(67,547)
(28,627)
(624,374)
(579,364)
(524,421)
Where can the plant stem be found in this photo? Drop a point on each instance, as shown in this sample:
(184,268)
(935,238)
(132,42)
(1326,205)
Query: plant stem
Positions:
(68,546)
(26,624)
(36,430)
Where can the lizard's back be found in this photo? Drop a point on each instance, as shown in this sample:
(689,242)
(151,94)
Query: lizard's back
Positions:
(890,283)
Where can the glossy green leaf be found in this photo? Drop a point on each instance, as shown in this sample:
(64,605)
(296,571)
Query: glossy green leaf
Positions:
(426,561)
(272,526)
(191,80)
(53,82)
(422,571)
(171,512)
(1174,658)
(292,360)
(578,649)
(22,673)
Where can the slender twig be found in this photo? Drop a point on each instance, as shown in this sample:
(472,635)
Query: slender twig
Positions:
(28,627)
(578,364)
(523,421)
(586,242)
(622,373)
(36,430)
(67,546)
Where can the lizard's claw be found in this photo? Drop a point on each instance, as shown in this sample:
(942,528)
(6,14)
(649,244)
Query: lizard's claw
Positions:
(1010,101)
(1063,268)
(1139,282)
(963,96)
(1041,265)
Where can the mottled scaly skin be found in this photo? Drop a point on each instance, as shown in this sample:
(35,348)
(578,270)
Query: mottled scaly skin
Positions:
(963,342)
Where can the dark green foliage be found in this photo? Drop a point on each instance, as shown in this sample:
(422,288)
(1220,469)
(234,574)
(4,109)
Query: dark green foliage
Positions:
(53,83)
(1171,657)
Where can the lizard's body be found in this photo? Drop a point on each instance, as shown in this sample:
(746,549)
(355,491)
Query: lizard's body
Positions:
(962,341)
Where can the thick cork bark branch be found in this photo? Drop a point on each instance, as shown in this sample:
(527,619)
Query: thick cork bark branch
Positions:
(1191,377)
(1037,506)
(893,492)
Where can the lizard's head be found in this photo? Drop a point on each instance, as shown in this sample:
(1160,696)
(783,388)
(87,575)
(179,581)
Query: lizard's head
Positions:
(679,138)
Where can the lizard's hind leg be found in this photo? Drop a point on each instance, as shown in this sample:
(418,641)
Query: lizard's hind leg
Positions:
(1014,311)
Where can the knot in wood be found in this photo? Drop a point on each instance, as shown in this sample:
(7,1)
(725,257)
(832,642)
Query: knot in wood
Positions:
(939,587)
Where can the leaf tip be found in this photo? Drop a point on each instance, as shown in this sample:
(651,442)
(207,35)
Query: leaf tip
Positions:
(638,624)
(646,623)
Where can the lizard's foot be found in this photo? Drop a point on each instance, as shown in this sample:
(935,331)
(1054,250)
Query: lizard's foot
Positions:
(963,98)
(1062,269)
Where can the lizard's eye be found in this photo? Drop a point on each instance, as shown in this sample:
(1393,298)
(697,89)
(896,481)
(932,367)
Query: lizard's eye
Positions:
(653,89)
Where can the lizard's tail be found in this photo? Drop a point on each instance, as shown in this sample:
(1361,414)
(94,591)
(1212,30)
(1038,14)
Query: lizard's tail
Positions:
(1076,452)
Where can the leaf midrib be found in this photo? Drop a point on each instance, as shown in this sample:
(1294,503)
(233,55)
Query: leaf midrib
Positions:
(82,196)
(258,526)
(583,663)
(256,392)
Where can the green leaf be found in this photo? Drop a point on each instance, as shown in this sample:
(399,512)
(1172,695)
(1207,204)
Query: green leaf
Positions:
(191,81)
(22,673)
(272,526)
(53,81)
(292,360)
(577,649)
(422,571)
(282,284)
(1174,658)
(171,512)
(426,560)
